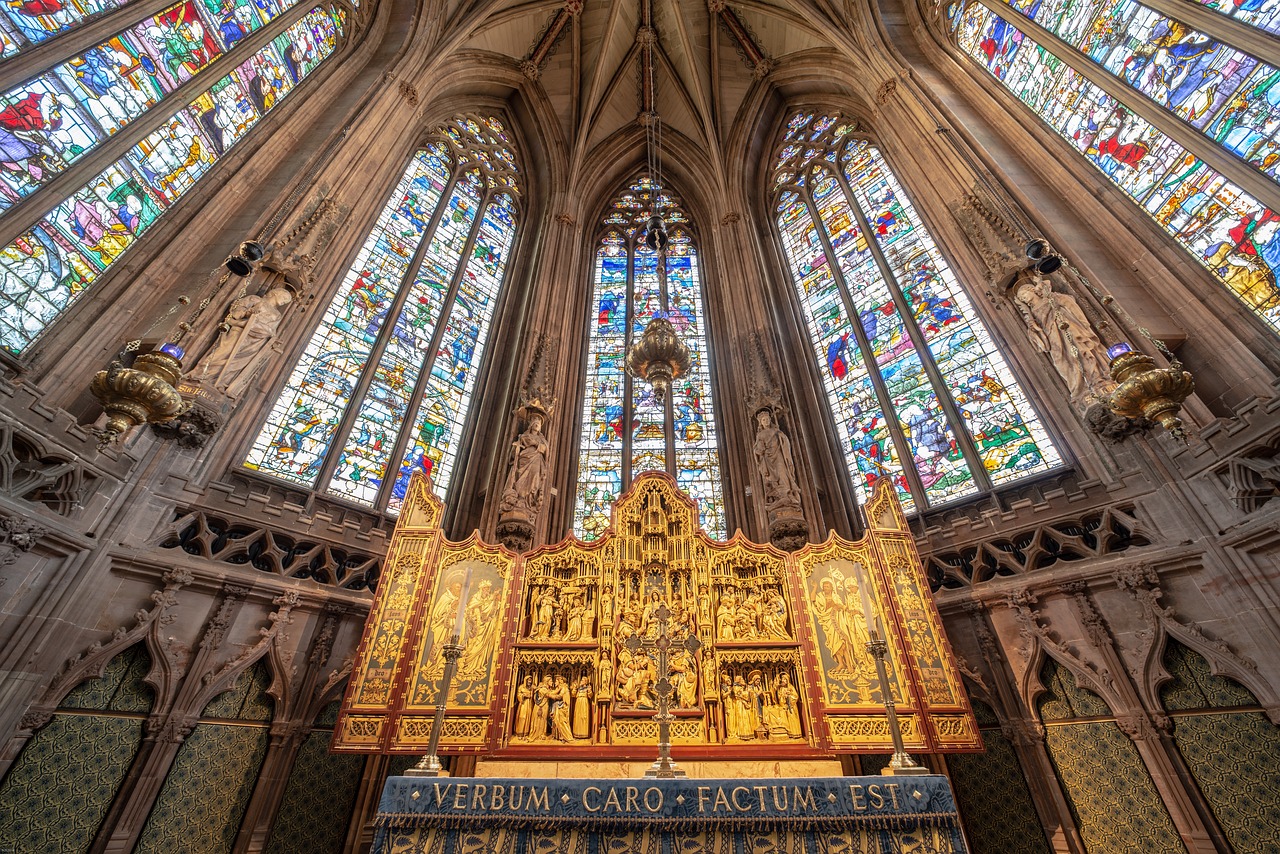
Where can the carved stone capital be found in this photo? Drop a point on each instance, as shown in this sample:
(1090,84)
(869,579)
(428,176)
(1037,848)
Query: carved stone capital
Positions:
(715,7)
(34,719)
(646,37)
(763,68)
(170,730)
(885,91)
(17,537)
(1138,726)
(530,69)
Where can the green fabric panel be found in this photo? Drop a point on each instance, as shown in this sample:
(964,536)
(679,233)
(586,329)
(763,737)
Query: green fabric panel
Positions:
(1063,699)
(247,699)
(318,799)
(984,714)
(995,801)
(120,689)
(1194,687)
(1115,803)
(1236,761)
(328,716)
(63,781)
(206,792)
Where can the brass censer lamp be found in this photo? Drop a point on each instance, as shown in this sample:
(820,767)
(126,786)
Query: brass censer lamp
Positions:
(1147,391)
(659,357)
(141,394)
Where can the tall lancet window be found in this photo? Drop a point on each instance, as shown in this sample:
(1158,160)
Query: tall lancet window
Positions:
(368,395)
(918,389)
(1185,123)
(115,130)
(625,430)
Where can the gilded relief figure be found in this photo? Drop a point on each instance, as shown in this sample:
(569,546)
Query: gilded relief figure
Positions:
(605,690)
(774,616)
(582,708)
(443,617)
(788,705)
(829,611)
(541,709)
(684,679)
(757,697)
(727,618)
(561,730)
(576,610)
(709,676)
(543,613)
(704,606)
(524,708)
(606,608)
(744,715)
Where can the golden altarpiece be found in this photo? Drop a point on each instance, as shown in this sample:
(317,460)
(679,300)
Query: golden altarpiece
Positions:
(546,670)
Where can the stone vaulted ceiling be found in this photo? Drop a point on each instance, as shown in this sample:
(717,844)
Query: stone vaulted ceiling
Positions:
(587,56)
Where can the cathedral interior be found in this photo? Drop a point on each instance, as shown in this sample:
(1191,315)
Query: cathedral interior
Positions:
(1019,259)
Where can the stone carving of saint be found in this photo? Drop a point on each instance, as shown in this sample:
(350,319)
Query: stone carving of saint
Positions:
(772,450)
(606,608)
(582,709)
(524,709)
(1057,327)
(576,610)
(606,677)
(248,330)
(522,495)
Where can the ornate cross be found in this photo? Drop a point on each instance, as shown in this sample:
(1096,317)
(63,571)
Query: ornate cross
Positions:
(663,766)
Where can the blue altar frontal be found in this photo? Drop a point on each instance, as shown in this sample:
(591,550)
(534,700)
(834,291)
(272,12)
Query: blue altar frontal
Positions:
(821,815)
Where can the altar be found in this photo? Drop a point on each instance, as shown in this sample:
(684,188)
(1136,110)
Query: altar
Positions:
(809,815)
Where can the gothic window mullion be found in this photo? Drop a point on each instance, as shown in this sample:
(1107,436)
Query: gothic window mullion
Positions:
(345,425)
(628,392)
(433,352)
(976,468)
(668,402)
(905,458)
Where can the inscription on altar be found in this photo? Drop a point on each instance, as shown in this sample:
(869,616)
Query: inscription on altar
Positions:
(765,651)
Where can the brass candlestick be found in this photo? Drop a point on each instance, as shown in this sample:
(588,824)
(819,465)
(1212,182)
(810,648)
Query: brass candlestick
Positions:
(901,763)
(430,765)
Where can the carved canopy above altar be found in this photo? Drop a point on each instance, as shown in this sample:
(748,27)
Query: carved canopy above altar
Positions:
(782,671)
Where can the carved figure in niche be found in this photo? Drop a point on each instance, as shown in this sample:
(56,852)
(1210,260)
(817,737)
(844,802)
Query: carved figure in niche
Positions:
(774,616)
(582,708)
(744,715)
(576,610)
(727,618)
(789,705)
(684,679)
(606,677)
(632,616)
(756,696)
(772,450)
(748,617)
(482,616)
(443,616)
(588,623)
(544,612)
(560,696)
(626,678)
(524,709)
(704,606)
(645,679)
(709,676)
(606,608)
(242,346)
(522,495)
(649,619)
(1057,327)
(542,708)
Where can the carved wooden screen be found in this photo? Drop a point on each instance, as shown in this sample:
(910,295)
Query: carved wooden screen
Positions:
(783,669)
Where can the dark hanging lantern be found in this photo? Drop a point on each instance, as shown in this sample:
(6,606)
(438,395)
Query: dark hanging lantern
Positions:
(243,262)
(655,234)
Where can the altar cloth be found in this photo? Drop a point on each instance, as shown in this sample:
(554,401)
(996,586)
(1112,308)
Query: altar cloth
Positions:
(827,815)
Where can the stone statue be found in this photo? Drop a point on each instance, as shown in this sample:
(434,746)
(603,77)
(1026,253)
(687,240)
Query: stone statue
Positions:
(772,450)
(247,332)
(1057,326)
(522,495)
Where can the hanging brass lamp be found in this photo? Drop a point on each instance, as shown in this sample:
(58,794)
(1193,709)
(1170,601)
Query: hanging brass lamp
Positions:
(141,394)
(1147,391)
(659,357)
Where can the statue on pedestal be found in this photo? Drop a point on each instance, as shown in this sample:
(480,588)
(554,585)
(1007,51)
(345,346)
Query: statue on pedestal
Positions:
(523,492)
(1057,326)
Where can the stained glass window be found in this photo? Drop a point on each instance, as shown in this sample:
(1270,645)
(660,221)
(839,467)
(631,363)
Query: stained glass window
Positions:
(1231,98)
(434,262)
(55,118)
(50,264)
(625,429)
(917,387)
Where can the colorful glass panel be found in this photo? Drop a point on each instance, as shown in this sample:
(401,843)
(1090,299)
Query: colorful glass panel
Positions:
(1232,234)
(50,121)
(446,401)
(101,220)
(1225,93)
(452,207)
(941,349)
(29,22)
(625,429)
(293,442)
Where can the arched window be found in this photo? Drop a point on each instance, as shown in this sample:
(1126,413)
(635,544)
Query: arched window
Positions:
(625,431)
(435,262)
(1181,121)
(918,389)
(58,247)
